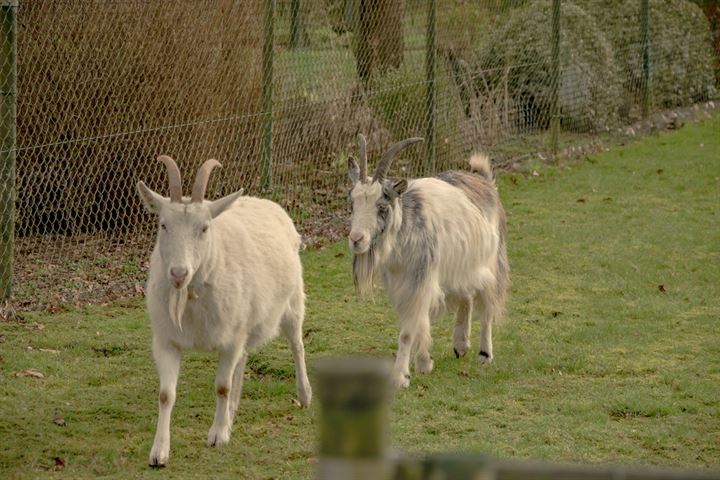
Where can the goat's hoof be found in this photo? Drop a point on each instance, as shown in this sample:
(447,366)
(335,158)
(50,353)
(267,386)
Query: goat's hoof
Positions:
(159,457)
(484,358)
(218,436)
(461,348)
(304,393)
(424,365)
(401,380)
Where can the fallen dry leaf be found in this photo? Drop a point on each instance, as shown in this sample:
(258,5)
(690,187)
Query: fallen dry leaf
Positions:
(34,326)
(30,372)
(59,463)
(56,308)
(59,421)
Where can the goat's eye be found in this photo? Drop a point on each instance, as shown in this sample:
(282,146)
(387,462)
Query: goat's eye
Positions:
(205,228)
(163,226)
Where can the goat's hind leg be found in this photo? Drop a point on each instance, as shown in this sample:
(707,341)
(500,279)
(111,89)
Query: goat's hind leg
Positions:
(461,333)
(486,312)
(291,327)
(423,342)
(237,385)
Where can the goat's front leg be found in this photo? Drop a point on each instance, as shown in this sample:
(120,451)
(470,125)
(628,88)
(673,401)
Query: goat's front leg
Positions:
(167,362)
(401,371)
(413,327)
(461,333)
(219,433)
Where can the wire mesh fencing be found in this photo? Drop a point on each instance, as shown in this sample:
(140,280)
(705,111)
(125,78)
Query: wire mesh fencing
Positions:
(277,91)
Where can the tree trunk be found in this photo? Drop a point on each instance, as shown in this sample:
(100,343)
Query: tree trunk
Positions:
(380,44)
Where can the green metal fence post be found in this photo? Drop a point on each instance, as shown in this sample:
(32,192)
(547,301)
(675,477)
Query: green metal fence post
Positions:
(354,395)
(555,79)
(267,101)
(296,40)
(430,166)
(8,71)
(645,54)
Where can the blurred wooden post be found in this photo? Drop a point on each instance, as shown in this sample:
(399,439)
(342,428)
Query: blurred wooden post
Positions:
(267,103)
(555,80)
(645,54)
(354,394)
(430,50)
(456,466)
(8,67)
(296,39)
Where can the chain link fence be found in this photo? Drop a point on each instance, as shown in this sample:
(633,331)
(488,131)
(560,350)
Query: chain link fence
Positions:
(277,90)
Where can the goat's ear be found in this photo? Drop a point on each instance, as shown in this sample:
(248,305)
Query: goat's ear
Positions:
(220,205)
(353,170)
(399,186)
(152,201)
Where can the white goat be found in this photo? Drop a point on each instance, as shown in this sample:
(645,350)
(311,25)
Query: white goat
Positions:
(224,276)
(438,242)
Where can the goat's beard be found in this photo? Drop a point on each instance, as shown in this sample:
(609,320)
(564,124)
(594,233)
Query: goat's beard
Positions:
(364,272)
(177,301)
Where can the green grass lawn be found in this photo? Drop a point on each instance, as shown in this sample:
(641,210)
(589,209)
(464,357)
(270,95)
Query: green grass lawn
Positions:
(610,351)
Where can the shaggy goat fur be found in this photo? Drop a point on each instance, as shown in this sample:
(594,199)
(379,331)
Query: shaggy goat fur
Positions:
(224,276)
(437,243)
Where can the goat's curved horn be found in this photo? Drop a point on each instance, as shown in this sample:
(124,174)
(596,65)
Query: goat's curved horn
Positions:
(201,180)
(384,165)
(363,158)
(173,178)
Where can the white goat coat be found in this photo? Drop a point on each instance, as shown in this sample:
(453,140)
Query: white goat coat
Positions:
(252,276)
(466,252)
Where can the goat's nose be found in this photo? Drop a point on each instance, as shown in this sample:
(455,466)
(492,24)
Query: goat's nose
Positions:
(356,236)
(178,273)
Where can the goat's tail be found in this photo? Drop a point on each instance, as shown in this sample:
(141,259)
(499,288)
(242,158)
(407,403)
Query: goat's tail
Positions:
(480,165)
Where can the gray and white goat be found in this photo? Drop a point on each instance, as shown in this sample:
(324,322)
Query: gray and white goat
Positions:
(224,276)
(438,243)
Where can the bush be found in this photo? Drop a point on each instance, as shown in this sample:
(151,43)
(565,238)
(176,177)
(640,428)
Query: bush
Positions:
(398,101)
(517,60)
(681,56)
